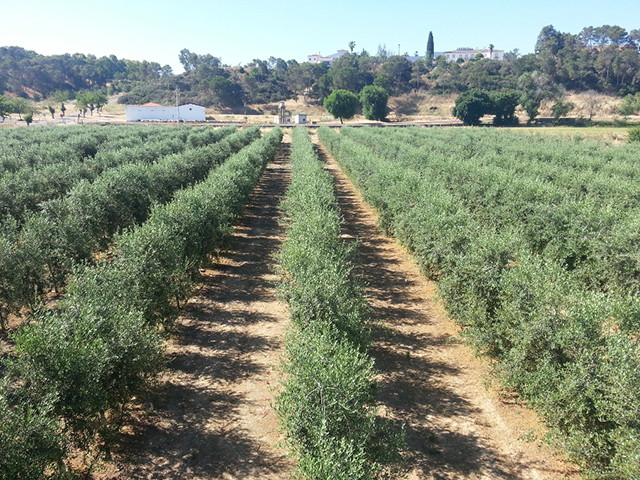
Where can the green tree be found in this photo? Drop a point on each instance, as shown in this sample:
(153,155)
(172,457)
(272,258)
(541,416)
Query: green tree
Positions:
(397,70)
(630,105)
(341,104)
(503,106)
(536,87)
(52,111)
(20,106)
(82,102)
(561,109)
(352,45)
(374,102)
(91,101)
(346,78)
(226,92)
(430,51)
(28,117)
(5,107)
(471,106)
(98,100)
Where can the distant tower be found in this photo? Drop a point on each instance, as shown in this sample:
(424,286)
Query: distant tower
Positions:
(281,112)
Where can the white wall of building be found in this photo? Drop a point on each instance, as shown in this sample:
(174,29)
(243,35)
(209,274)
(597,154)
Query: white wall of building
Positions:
(192,113)
(188,113)
(136,113)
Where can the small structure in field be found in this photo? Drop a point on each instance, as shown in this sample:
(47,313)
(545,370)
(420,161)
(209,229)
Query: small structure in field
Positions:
(283,115)
(300,118)
(154,112)
(281,119)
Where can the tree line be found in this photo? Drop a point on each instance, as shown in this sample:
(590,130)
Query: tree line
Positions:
(603,59)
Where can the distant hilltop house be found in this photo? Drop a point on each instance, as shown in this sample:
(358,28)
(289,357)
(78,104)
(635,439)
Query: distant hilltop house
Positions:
(470,53)
(317,58)
(154,112)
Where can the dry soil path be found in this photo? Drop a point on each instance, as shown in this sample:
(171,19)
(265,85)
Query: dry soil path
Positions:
(458,425)
(211,416)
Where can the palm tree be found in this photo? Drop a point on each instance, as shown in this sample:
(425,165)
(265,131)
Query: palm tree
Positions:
(491,50)
(352,45)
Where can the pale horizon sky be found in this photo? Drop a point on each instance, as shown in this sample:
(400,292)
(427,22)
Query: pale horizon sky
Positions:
(242,30)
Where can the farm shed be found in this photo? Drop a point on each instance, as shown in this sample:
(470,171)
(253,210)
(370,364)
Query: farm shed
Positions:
(152,111)
(300,118)
(191,113)
(284,120)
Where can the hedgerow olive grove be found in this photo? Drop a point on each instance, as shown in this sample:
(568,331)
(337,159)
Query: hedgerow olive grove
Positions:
(73,368)
(534,244)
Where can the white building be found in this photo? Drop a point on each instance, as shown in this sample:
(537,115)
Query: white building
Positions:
(285,120)
(300,118)
(154,112)
(470,53)
(191,113)
(317,58)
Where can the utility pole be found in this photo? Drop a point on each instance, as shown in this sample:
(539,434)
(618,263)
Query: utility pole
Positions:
(177,107)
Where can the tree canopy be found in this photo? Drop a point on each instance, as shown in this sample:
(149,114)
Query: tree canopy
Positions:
(430,50)
(341,104)
(471,106)
(603,59)
(374,102)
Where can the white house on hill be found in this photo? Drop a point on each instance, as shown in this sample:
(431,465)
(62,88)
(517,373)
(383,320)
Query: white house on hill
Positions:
(154,112)
(317,58)
(470,53)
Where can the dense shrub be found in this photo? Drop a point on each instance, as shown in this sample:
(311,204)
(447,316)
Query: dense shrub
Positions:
(374,102)
(30,439)
(24,190)
(471,106)
(341,104)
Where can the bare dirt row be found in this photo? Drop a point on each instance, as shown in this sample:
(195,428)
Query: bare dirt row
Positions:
(211,417)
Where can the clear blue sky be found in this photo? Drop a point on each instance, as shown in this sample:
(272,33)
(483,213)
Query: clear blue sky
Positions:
(238,31)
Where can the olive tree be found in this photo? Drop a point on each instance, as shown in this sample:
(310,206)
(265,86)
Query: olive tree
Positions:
(341,104)
(471,106)
(374,102)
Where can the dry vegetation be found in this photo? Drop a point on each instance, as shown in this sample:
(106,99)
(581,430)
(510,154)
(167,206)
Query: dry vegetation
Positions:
(410,107)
